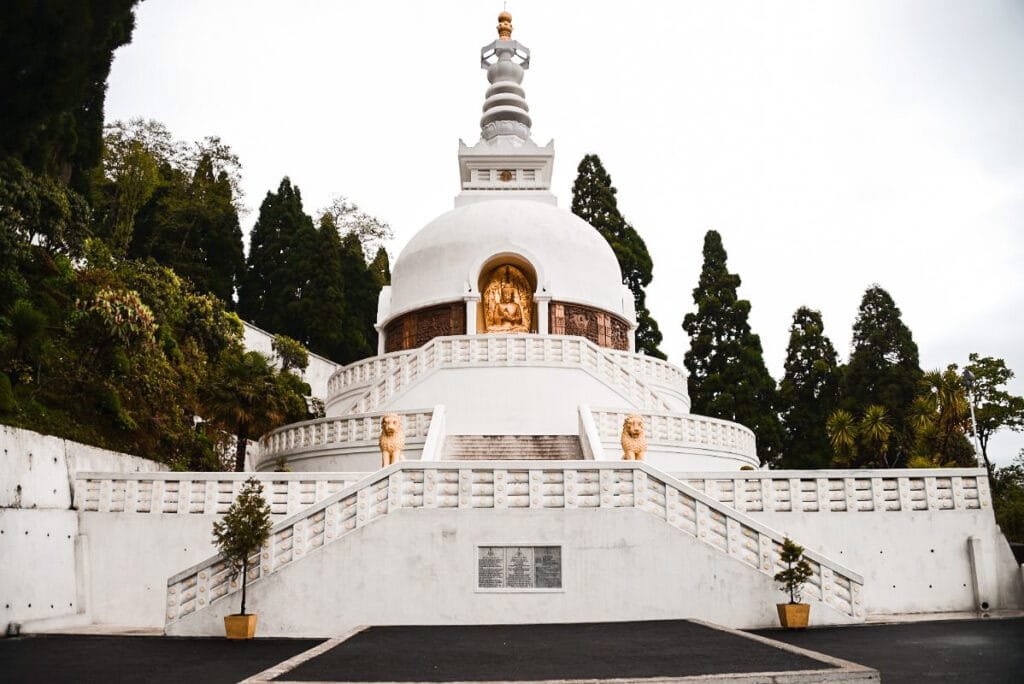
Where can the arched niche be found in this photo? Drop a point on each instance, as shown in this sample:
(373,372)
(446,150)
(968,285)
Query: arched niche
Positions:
(507,283)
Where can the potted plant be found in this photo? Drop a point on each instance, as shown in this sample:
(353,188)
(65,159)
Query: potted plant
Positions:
(793,615)
(240,535)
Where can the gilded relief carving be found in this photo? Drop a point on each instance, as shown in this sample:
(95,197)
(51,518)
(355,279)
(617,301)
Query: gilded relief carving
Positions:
(507,301)
(600,327)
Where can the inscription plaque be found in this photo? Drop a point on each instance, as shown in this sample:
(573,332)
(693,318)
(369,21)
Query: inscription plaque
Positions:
(519,567)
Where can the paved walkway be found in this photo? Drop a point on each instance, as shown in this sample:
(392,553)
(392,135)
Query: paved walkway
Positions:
(964,651)
(967,652)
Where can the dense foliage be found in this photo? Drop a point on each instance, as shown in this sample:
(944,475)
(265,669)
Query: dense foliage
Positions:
(118,255)
(808,393)
(728,377)
(1008,498)
(884,370)
(313,283)
(593,200)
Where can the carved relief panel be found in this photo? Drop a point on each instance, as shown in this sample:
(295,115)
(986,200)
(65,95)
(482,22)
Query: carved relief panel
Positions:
(600,327)
(416,328)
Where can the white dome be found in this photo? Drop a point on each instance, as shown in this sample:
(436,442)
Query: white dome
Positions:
(573,263)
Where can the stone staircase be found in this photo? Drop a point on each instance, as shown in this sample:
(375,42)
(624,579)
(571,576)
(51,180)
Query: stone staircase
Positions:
(513,447)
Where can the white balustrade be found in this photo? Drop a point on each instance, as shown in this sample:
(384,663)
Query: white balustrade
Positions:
(680,430)
(201,493)
(847,491)
(337,431)
(517,485)
(367,385)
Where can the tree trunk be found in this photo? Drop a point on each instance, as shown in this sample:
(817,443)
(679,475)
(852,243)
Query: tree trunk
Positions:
(245,579)
(240,446)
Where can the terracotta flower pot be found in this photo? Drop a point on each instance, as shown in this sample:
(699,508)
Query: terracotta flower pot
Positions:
(794,615)
(240,626)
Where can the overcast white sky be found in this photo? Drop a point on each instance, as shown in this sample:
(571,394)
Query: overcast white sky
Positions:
(832,144)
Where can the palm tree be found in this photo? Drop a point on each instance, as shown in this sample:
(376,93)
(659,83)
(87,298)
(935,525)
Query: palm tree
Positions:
(842,435)
(244,399)
(874,431)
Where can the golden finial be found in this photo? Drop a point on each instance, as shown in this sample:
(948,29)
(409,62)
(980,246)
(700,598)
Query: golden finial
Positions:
(504,26)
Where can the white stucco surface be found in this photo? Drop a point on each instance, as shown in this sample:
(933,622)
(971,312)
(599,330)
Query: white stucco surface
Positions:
(419,567)
(514,400)
(442,262)
(912,562)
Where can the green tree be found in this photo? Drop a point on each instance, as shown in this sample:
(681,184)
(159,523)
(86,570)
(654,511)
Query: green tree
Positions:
(283,255)
(593,200)
(808,393)
(380,267)
(361,291)
(243,531)
(940,417)
(53,73)
(728,378)
(995,408)
(797,572)
(860,442)
(1008,498)
(883,369)
(324,300)
(247,397)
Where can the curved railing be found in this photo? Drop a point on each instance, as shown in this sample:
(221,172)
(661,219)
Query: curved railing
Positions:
(390,374)
(338,431)
(521,485)
(362,373)
(683,430)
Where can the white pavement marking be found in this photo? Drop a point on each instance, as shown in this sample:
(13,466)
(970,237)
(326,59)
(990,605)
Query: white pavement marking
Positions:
(271,673)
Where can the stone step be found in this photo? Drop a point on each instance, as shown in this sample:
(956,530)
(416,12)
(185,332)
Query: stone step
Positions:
(512,447)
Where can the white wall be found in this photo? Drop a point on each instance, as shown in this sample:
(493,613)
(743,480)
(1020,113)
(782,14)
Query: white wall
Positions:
(912,562)
(419,567)
(42,555)
(513,400)
(316,374)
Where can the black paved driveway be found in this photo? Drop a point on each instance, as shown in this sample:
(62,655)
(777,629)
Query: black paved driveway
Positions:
(965,651)
(605,650)
(74,658)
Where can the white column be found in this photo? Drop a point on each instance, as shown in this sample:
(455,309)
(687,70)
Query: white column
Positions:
(380,339)
(471,304)
(543,319)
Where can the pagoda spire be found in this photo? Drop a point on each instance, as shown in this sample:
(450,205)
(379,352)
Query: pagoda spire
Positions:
(505,109)
(505,163)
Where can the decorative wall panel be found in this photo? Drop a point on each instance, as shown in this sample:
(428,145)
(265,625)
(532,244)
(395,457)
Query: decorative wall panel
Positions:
(600,327)
(416,328)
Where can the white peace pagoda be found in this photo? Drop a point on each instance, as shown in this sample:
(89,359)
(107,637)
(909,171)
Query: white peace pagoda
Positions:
(506,348)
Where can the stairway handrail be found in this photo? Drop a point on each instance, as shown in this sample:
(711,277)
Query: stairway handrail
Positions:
(744,539)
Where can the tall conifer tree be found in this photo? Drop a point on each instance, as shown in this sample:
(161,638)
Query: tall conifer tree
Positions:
(593,200)
(884,368)
(380,267)
(324,305)
(361,290)
(282,258)
(728,378)
(808,394)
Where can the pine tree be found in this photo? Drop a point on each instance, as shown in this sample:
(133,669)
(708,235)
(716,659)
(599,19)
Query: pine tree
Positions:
(53,72)
(380,267)
(593,200)
(728,378)
(361,292)
(282,259)
(324,300)
(808,393)
(884,369)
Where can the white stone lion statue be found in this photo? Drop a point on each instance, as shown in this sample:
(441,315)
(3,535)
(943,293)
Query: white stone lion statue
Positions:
(392,439)
(634,443)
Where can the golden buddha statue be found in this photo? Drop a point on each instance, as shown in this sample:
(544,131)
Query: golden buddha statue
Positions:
(507,301)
